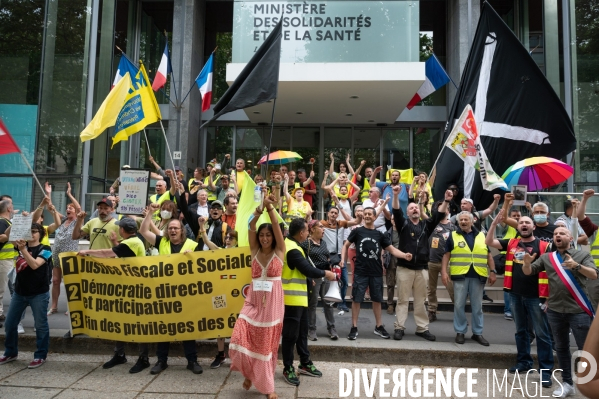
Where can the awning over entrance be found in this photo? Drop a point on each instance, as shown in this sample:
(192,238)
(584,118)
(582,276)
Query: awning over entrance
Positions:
(339,93)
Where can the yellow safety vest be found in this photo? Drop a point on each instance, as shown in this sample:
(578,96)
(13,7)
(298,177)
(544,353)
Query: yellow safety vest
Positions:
(462,257)
(211,194)
(136,245)
(295,285)
(595,250)
(46,239)
(285,206)
(8,250)
(165,246)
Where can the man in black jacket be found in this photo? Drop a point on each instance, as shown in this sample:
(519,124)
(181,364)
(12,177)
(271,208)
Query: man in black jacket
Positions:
(411,274)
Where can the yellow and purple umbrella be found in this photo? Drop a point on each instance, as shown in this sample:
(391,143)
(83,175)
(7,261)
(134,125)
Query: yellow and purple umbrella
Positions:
(280,157)
(537,173)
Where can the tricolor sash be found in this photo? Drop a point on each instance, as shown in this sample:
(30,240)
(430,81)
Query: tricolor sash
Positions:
(571,284)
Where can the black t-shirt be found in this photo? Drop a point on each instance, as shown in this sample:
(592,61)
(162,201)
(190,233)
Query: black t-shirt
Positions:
(369,245)
(545,233)
(123,251)
(34,281)
(175,248)
(527,286)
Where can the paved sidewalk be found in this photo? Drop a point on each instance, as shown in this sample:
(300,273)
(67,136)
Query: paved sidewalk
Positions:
(82,376)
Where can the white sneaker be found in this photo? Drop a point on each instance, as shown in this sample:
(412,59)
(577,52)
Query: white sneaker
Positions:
(565,391)
(20,329)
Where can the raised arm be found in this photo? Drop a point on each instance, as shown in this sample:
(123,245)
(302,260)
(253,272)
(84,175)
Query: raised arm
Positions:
(73,200)
(211,185)
(204,235)
(412,187)
(324,180)
(492,207)
(382,207)
(306,183)
(252,234)
(269,202)
(349,167)
(491,239)
(40,209)
(174,181)
(376,171)
(507,203)
(330,186)
(77,233)
(582,208)
(286,189)
(144,229)
(332,166)
(358,176)
(57,222)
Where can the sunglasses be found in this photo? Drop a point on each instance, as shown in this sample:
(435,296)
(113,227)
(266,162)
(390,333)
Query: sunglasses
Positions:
(229,238)
(35,231)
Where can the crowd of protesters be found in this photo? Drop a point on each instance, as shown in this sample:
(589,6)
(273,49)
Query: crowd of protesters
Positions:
(372,233)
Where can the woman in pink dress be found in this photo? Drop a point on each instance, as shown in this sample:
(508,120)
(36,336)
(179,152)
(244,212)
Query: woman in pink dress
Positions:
(255,341)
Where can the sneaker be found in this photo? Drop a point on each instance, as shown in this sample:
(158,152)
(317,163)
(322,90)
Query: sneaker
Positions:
(2,317)
(380,330)
(312,335)
(7,359)
(398,334)
(333,333)
(218,360)
(508,316)
(195,367)
(390,309)
(290,376)
(427,335)
(36,363)
(142,364)
(159,367)
(353,333)
(309,369)
(115,361)
(20,329)
(487,299)
(343,307)
(565,390)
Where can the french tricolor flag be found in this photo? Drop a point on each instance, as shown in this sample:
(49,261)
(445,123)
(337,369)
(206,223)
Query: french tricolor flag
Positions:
(164,69)
(436,77)
(204,82)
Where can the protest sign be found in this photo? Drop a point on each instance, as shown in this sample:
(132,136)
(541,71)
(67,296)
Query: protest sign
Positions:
(21,228)
(133,191)
(197,295)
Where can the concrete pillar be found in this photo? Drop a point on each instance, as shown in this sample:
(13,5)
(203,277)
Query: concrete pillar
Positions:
(458,41)
(187,60)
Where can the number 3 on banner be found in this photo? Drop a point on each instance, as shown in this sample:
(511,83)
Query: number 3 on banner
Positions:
(76,320)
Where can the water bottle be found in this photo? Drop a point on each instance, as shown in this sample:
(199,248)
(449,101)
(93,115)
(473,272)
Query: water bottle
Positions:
(257,194)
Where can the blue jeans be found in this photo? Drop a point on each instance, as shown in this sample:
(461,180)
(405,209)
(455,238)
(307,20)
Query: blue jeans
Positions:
(522,308)
(39,307)
(461,290)
(561,323)
(507,307)
(344,284)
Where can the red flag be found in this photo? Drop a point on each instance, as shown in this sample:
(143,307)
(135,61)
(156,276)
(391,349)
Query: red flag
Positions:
(7,143)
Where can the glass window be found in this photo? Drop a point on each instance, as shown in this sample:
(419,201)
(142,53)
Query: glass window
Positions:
(396,149)
(425,148)
(337,143)
(218,143)
(306,142)
(248,146)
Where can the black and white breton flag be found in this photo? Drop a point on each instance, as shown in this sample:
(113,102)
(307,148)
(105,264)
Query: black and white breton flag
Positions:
(518,113)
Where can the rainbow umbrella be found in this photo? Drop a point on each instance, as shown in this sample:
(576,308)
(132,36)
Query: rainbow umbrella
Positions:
(537,173)
(280,157)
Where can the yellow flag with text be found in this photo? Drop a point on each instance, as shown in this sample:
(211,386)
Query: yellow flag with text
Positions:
(140,108)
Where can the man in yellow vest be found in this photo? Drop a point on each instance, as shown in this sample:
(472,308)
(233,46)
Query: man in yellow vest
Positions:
(465,263)
(175,241)
(130,246)
(296,269)
(7,250)
(590,229)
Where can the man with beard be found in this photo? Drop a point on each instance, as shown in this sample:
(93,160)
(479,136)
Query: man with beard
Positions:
(527,295)
(365,183)
(368,272)
(540,214)
(98,229)
(411,275)
(387,189)
(479,216)
(465,260)
(568,306)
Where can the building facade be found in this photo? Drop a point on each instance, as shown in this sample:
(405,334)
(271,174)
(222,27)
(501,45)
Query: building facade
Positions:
(348,69)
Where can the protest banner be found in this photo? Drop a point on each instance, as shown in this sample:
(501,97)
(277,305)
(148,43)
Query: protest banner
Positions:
(197,295)
(133,191)
(21,228)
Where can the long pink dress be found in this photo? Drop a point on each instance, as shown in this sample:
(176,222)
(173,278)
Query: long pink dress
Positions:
(255,341)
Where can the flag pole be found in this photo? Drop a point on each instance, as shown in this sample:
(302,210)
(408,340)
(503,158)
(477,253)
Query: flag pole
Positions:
(147,143)
(172,71)
(33,173)
(272,126)
(170,154)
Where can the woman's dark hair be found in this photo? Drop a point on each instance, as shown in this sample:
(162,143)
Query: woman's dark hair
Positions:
(268,227)
(40,228)
(296,226)
(344,164)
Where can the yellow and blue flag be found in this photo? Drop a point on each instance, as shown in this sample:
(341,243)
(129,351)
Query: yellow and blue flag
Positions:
(140,107)
(109,110)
